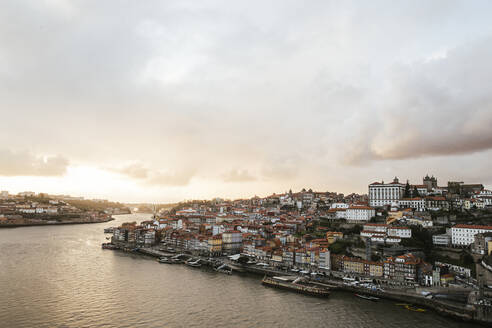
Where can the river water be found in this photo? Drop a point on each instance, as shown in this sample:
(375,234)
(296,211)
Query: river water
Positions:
(58,276)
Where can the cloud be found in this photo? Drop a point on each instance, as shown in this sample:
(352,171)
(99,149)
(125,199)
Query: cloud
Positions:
(27,164)
(135,171)
(147,176)
(282,90)
(434,108)
(281,168)
(238,176)
(175,178)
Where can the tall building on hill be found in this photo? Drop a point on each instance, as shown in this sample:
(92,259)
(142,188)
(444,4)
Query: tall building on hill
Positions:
(382,194)
(430,183)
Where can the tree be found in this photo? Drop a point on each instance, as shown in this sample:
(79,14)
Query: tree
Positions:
(407,191)
(415,192)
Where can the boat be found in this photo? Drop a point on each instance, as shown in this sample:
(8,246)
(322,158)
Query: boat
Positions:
(299,285)
(366,297)
(415,309)
(195,264)
(166,260)
(224,268)
(108,246)
(411,308)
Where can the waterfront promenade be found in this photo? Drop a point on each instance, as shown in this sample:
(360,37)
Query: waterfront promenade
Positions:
(464,312)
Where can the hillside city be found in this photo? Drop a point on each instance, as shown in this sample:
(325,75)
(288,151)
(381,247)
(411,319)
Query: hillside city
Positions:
(425,240)
(400,234)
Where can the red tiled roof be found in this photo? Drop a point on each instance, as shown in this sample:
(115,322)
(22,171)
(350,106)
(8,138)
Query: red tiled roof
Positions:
(472,226)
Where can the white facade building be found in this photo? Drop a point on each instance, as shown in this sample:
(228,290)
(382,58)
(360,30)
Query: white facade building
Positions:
(359,213)
(441,240)
(464,234)
(381,194)
(232,237)
(401,232)
(324,259)
(339,205)
(416,203)
(375,227)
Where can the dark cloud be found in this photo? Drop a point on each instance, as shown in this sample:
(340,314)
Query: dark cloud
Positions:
(434,108)
(27,164)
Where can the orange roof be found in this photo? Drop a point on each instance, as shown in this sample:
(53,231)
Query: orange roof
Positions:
(360,208)
(471,226)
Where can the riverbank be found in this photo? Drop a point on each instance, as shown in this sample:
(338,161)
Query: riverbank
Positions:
(467,313)
(52,223)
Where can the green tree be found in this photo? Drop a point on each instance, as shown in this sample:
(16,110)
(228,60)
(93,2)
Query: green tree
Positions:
(406,194)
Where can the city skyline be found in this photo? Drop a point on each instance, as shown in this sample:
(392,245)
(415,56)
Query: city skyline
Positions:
(160,102)
(226,197)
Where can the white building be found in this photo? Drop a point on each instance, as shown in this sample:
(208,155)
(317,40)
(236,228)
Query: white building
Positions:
(416,203)
(324,259)
(441,240)
(401,232)
(232,237)
(464,234)
(359,213)
(381,194)
(339,205)
(338,213)
(375,227)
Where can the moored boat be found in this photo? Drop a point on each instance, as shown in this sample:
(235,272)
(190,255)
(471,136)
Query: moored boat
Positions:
(166,260)
(224,268)
(366,297)
(108,246)
(299,285)
(411,308)
(195,264)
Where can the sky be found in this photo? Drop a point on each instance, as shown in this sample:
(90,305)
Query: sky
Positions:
(161,101)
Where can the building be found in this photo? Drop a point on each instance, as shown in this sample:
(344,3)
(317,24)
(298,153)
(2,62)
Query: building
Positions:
(375,227)
(464,234)
(430,183)
(215,245)
(443,240)
(482,244)
(232,241)
(436,203)
(359,213)
(324,259)
(401,232)
(333,236)
(415,203)
(402,268)
(381,194)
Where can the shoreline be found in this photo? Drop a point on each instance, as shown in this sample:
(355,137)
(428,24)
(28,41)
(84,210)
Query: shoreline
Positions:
(466,313)
(6,226)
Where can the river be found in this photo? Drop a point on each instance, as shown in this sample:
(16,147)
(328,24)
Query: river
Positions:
(58,276)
